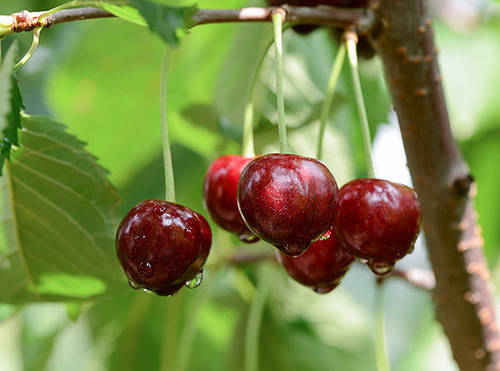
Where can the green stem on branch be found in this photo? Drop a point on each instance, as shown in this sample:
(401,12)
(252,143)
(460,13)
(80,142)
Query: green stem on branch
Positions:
(351,40)
(34,45)
(167,156)
(380,344)
(248,121)
(332,83)
(278,47)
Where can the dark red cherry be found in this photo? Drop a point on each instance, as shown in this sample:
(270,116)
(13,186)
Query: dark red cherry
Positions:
(162,246)
(322,266)
(219,195)
(378,221)
(287,200)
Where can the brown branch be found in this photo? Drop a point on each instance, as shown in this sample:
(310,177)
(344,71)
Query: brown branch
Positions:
(362,20)
(405,42)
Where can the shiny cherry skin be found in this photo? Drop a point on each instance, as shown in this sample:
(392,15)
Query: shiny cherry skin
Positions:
(378,221)
(219,195)
(287,200)
(161,246)
(322,266)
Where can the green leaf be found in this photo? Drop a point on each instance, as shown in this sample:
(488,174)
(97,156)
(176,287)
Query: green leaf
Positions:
(58,220)
(170,22)
(124,12)
(11,104)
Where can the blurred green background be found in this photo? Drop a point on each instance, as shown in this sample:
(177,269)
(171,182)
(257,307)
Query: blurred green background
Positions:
(101,79)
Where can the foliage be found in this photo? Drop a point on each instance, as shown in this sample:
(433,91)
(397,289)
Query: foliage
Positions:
(60,207)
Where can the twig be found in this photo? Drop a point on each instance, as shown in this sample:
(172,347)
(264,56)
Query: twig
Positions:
(417,277)
(362,20)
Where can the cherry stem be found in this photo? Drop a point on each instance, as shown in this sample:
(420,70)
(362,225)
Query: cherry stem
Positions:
(254,320)
(167,156)
(278,47)
(332,83)
(29,53)
(351,40)
(380,343)
(248,149)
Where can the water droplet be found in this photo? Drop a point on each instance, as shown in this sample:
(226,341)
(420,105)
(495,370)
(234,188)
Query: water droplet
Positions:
(196,281)
(326,235)
(248,238)
(324,289)
(410,250)
(134,285)
(146,270)
(147,291)
(381,268)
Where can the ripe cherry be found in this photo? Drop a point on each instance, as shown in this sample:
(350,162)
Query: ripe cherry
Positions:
(162,246)
(219,194)
(287,200)
(322,266)
(378,221)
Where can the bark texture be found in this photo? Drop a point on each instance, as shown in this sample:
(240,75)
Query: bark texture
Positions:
(404,40)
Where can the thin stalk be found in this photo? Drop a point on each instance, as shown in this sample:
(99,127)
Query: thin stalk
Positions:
(167,156)
(254,320)
(188,332)
(248,142)
(360,104)
(173,317)
(278,47)
(380,343)
(34,45)
(332,83)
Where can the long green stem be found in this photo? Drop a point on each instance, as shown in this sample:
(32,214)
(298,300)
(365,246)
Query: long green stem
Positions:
(358,94)
(254,320)
(380,343)
(332,83)
(34,45)
(248,143)
(278,47)
(167,156)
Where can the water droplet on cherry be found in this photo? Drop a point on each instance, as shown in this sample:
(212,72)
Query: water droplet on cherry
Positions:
(196,281)
(381,268)
(324,289)
(248,238)
(134,285)
(146,270)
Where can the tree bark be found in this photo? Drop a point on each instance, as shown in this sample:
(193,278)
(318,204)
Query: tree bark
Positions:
(404,40)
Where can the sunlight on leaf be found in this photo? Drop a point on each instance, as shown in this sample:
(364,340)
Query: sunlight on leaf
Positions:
(69,285)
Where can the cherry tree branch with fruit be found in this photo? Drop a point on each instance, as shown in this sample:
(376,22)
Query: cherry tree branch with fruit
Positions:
(162,246)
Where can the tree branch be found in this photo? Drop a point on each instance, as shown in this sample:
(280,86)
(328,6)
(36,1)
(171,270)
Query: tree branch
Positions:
(420,278)
(362,20)
(405,42)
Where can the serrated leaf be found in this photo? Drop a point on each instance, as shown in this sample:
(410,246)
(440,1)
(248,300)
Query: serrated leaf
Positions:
(11,103)
(124,12)
(170,22)
(58,220)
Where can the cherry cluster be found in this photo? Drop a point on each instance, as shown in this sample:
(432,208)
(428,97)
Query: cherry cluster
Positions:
(293,203)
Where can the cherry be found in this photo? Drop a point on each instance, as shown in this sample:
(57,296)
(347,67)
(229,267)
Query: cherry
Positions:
(287,200)
(322,266)
(219,194)
(378,221)
(162,246)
